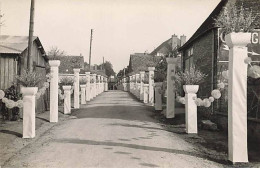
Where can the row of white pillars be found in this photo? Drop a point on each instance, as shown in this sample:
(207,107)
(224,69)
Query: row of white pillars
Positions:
(30,92)
(144,92)
(237,93)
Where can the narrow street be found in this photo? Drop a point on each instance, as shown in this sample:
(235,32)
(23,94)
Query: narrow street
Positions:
(113,130)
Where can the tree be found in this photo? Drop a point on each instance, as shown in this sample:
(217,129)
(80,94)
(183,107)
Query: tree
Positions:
(55,52)
(108,67)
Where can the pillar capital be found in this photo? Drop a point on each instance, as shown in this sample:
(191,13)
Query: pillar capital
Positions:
(172,60)
(76,70)
(54,63)
(142,72)
(87,73)
(82,86)
(151,68)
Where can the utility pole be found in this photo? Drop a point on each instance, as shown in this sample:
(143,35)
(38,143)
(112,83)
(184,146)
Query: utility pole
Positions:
(90,49)
(1,16)
(31,30)
(103,63)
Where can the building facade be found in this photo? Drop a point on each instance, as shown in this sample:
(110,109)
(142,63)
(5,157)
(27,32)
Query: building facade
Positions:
(207,51)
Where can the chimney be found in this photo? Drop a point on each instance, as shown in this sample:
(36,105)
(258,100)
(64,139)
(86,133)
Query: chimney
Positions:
(183,40)
(174,41)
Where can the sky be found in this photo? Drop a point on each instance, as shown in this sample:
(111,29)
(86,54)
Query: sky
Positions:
(121,27)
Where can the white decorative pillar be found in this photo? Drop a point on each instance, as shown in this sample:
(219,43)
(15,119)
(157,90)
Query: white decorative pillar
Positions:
(29,111)
(94,85)
(83,94)
(76,88)
(97,84)
(102,83)
(170,108)
(158,96)
(137,86)
(131,84)
(142,85)
(106,84)
(237,96)
(54,96)
(128,84)
(91,87)
(88,86)
(191,108)
(67,99)
(151,85)
(124,84)
(146,93)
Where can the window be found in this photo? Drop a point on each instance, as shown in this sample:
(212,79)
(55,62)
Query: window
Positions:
(190,51)
(189,63)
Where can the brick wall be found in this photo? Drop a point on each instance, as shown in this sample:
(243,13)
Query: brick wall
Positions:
(202,59)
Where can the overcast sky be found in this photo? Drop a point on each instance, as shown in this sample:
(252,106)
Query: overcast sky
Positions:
(121,27)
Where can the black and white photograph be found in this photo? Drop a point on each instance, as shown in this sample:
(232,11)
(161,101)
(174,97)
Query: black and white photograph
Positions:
(129,84)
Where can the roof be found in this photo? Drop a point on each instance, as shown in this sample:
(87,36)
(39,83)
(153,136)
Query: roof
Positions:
(68,63)
(141,61)
(208,24)
(16,44)
(99,72)
(166,44)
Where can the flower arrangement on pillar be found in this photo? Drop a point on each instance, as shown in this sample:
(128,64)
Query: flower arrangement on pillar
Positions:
(29,80)
(190,79)
(66,83)
(237,23)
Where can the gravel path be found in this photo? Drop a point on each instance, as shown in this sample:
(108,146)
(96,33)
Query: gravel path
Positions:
(113,130)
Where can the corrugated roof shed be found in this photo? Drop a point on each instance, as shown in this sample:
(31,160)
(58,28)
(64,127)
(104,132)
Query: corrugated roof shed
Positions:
(13,44)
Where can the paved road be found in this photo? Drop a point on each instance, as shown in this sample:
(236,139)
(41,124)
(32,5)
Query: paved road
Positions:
(114,130)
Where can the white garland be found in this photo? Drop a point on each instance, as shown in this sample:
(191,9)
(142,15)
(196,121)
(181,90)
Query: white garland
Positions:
(10,103)
(254,72)
(215,94)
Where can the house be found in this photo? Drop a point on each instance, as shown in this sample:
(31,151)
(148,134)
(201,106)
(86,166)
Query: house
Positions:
(141,61)
(207,51)
(166,48)
(169,48)
(13,59)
